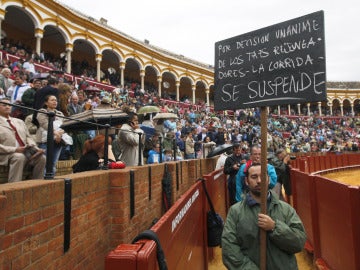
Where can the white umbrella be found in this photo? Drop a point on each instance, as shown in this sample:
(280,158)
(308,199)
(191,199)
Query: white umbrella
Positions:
(165,116)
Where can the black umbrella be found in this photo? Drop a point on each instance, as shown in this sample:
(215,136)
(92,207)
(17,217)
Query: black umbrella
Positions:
(219,150)
(86,120)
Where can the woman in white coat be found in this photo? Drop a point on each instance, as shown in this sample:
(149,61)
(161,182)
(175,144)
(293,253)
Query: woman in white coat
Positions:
(129,142)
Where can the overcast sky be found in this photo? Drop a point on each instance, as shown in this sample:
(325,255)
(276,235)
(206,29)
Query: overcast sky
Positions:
(191,27)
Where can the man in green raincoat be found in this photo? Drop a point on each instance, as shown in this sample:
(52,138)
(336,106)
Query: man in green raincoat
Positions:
(241,235)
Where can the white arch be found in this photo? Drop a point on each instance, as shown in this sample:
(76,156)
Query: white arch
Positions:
(65,33)
(33,15)
(91,42)
(203,82)
(137,60)
(172,72)
(157,70)
(114,50)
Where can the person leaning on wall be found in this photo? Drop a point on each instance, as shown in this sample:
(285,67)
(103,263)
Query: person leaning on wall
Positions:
(93,154)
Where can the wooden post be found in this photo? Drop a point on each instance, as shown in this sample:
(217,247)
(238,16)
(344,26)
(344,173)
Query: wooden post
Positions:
(264,186)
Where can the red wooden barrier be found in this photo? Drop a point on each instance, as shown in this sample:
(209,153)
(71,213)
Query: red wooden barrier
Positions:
(336,233)
(303,203)
(322,162)
(217,188)
(125,256)
(339,161)
(345,160)
(311,163)
(317,166)
(327,162)
(303,164)
(181,232)
(333,161)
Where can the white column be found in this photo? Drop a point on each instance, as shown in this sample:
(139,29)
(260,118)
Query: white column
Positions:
(98,64)
(142,76)
(308,108)
(319,105)
(177,84)
(207,92)
(122,68)
(2,17)
(69,49)
(331,112)
(299,109)
(39,33)
(352,109)
(159,80)
(193,88)
(289,109)
(279,109)
(342,109)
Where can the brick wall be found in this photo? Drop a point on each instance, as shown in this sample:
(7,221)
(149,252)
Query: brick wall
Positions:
(32,214)
(62,167)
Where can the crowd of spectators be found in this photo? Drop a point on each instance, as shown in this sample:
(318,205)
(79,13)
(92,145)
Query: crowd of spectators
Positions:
(194,133)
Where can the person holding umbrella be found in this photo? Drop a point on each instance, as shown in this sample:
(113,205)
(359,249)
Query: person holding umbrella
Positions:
(241,235)
(129,141)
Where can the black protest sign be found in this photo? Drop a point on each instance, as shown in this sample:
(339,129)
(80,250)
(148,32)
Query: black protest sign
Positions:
(280,64)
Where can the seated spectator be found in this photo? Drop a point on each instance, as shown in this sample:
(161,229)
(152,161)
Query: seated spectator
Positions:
(74,107)
(207,146)
(124,94)
(17,147)
(28,98)
(29,67)
(5,81)
(93,154)
(82,98)
(15,92)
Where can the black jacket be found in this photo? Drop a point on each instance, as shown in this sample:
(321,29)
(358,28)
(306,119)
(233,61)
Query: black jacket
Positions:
(229,163)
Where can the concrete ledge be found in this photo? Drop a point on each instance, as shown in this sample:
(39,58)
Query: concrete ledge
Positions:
(62,167)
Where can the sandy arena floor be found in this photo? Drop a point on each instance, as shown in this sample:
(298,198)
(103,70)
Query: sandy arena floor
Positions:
(304,259)
(348,177)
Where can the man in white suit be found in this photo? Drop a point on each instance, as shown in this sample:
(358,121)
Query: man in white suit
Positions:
(17,147)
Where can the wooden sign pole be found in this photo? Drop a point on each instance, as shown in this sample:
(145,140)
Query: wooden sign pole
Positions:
(264,186)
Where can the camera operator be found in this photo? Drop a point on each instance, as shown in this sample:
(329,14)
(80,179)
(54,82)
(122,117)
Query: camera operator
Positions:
(281,162)
(231,168)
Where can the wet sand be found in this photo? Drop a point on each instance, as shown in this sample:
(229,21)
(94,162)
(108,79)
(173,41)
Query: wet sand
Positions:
(304,260)
(348,177)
